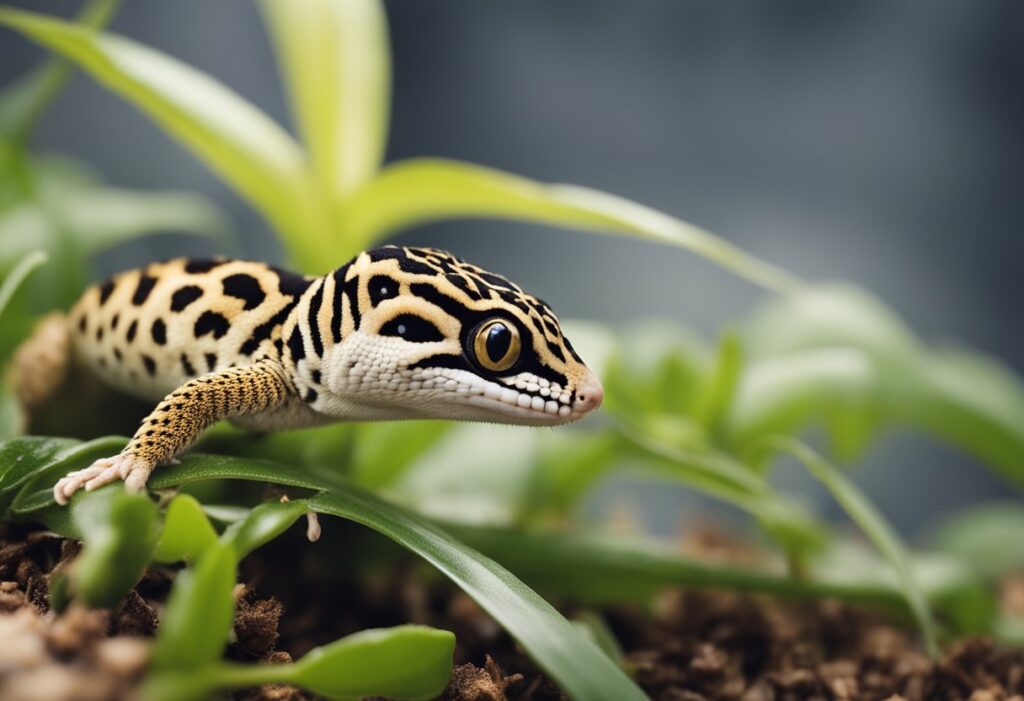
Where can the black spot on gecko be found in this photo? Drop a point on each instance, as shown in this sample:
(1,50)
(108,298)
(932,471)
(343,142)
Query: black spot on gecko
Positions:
(117,355)
(337,308)
(246,288)
(264,330)
(382,287)
(106,289)
(187,366)
(311,395)
(296,346)
(211,322)
(150,364)
(316,376)
(202,265)
(159,332)
(132,328)
(289,283)
(142,290)
(314,327)
(81,324)
(211,361)
(113,322)
(99,333)
(185,296)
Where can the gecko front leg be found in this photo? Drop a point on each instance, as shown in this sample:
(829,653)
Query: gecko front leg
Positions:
(177,422)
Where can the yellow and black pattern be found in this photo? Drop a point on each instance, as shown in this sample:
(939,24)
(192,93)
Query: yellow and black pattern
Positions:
(396,333)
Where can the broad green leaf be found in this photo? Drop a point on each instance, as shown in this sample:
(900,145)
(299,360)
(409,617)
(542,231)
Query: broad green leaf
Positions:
(988,537)
(422,190)
(261,525)
(969,399)
(120,531)
(406,663)
(962,397)
(409,662)
(187,532)
(336,60)
(197,619)
(16,277)
(244,146)
(828,316)
(784,393)
(872,523)
(33,465)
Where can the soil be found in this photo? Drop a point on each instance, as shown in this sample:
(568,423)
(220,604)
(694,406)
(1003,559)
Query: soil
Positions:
(690,646)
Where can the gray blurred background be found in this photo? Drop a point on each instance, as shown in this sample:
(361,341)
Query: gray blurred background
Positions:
(877,142)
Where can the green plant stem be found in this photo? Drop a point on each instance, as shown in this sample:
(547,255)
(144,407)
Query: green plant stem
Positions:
(874,525)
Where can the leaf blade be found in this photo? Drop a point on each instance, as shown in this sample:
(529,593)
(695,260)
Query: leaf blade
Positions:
(235,139)
(417,191)
(336,58)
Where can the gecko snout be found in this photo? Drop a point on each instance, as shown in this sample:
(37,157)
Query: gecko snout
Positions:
(589,394)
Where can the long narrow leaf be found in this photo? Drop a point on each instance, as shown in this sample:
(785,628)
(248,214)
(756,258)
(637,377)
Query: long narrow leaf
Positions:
(423,190)
(21,270)
(874,525)
(579,666)
(336,60)
(22,103)
(238,141)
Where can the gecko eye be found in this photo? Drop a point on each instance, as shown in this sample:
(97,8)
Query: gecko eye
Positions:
(496,345)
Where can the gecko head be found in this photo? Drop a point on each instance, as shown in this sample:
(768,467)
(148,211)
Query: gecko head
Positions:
(428,335)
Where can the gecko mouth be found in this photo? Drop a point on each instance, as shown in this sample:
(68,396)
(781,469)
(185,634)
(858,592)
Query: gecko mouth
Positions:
(466,396)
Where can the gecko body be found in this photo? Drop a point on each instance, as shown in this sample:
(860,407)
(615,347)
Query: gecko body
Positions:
(396,333)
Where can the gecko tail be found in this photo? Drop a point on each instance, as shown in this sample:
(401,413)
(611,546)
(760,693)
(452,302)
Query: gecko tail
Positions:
(41,364)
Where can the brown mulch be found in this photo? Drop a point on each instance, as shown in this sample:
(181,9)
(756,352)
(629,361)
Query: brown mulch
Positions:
(690,646)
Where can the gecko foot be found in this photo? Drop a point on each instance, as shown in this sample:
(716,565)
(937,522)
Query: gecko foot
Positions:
(133,470)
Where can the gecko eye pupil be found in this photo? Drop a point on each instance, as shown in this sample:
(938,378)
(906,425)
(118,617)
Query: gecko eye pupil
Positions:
(401,329)
(497,345)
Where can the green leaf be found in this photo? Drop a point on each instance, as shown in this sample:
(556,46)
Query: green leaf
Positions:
(187,532)
(969,399)
(872,523)
(383,452)
(719,388)
(244,146)
(195,624)
(828,316)
(17,276)
(782,394)
(422,190)
(33,465)
(554,644)
(576,664)
(263,524)
(24,101)
(336,61)
(987,537)
(120,532)
(606,569)
(406,663)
